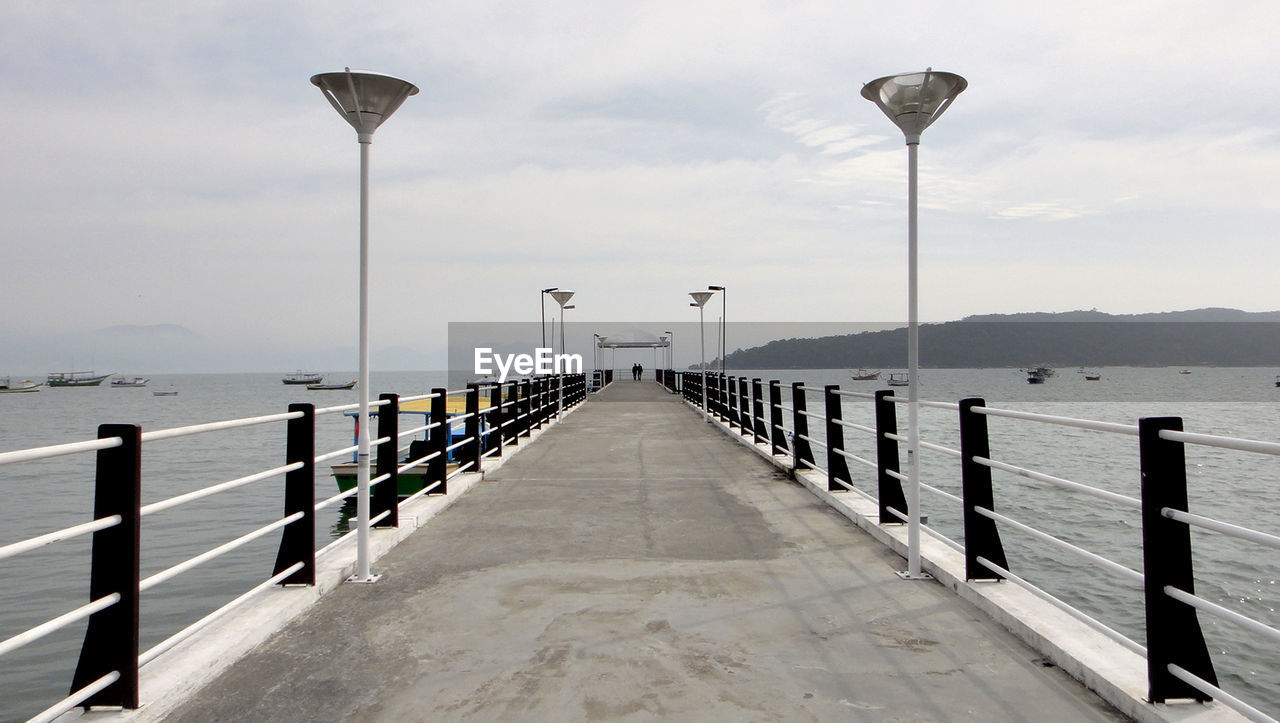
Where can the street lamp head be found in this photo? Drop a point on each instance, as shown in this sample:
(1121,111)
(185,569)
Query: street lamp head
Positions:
(913,101)
(700,297)
(561,296)
(549,290)
(716,288)
(364,98)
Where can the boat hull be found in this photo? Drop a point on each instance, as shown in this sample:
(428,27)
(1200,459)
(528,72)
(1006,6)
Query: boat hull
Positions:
(407,483)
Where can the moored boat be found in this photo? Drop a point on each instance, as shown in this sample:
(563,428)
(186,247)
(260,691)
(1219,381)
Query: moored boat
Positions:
(129,382)
(1038,375)
(899,379)
(348,385)
(301,377)
(862,375)
(8,386)
(75,379)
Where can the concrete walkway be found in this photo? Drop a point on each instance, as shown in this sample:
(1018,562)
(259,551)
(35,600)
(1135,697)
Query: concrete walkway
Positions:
(636,564)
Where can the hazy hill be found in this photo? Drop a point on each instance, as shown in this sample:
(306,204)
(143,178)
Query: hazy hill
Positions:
(1221,337)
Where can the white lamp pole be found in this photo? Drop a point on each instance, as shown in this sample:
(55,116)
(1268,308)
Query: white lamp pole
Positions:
(562,297)
(364,99)
(913,101)
(700,300)
(724,322)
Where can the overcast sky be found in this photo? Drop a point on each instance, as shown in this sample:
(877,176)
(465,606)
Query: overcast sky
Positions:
(170,163)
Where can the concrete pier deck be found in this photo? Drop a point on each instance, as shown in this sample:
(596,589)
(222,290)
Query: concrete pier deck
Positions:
(637,564)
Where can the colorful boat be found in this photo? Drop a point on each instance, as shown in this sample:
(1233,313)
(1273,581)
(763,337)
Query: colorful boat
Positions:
(412,480)
(75,379)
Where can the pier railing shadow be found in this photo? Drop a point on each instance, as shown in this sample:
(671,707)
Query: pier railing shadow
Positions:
(1179,666)
(463,431)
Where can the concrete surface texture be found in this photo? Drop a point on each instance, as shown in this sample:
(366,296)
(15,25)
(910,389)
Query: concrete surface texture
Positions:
(636,564)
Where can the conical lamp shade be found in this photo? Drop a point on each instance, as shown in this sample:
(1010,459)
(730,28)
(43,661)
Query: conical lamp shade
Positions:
(364,98)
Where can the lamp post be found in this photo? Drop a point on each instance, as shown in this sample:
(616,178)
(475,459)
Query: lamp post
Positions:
(700,300)
(562,297)
(913,101)
(671,349)
(365,100)
(724,322)
(542,304)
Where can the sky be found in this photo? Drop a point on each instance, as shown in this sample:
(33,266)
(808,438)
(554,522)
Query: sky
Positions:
(170,164)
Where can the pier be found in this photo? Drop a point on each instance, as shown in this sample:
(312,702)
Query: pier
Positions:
(590,550)
(636,562)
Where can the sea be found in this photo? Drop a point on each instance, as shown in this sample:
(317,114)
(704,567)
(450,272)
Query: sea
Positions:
(1237,487)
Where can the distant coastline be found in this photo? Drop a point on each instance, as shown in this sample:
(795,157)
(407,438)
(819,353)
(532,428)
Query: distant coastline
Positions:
(1199,337)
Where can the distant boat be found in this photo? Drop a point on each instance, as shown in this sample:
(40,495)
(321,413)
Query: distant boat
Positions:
(127,382)
(899,379)
(862,375)
(348,385)
(1092,377)
(1185,371)
(165,393)
(301,377)
(1039,375)
(31,385)
(75,379)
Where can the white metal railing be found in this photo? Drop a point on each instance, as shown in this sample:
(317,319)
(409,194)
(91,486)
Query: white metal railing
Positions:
(545,402)
(1256,628)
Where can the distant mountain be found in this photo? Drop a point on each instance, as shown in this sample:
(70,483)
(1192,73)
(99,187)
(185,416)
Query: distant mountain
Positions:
(1220,337)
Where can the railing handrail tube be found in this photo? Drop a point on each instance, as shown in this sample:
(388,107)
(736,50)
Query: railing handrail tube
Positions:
(52,625)
(1080,615)
(215,489)
(56,710)
(859,395)
(59,450)
(66,533)
(1091,424)
(1226,528)
(1199,603)
(1105,563)
(175,432)
(1115,497)
(165,645)
(1219,694)
(151,581)
(1214,440)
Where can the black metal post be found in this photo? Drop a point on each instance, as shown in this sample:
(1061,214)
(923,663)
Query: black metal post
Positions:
(981,535)
(524,407)
(889,488)
(1173,630)
(777,434)
(438,441)
(471,451)
(837,465)
(298,539)
(496,416)
(386,494)
(111,639)
(800,426)
(744,407)
(757,414)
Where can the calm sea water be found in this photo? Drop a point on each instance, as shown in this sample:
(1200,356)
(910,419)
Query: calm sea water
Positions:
(1236,487)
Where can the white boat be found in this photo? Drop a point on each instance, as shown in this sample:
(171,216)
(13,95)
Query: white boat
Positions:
(862,375)
(26,385)
(301,377)
(899,379)
(129,382)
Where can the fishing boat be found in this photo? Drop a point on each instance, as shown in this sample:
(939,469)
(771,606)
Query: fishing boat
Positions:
(862,375)
(412,480)
(348,385)
(899,379)
(301,377)
(1038,375)
(30,385)
(165,393)
(1092,377)
(75,379)
(129,382)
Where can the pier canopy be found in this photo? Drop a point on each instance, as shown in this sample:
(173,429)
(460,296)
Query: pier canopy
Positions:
(648,344)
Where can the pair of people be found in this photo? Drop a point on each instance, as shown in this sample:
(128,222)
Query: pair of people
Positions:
(637,371)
